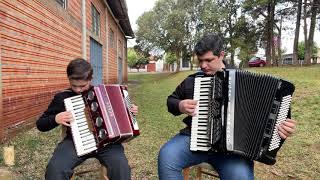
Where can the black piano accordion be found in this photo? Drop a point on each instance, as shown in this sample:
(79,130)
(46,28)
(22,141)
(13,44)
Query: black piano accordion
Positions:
(101,116)
(238,111)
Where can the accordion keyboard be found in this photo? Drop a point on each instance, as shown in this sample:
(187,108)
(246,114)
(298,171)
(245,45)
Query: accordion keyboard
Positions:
(199,127)
(128,104)
(282,115)
(83,138)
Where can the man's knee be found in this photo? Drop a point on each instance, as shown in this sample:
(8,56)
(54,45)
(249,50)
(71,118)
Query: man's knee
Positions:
(169,157)
(165,154)
(242,170)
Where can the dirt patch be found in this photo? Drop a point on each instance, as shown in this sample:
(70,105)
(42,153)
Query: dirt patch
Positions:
(134,82)
(7,174)
(316,146)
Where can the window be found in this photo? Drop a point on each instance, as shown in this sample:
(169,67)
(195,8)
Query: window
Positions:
(63,3)
(95,20)
(253,59)
(120,51)
(111,39)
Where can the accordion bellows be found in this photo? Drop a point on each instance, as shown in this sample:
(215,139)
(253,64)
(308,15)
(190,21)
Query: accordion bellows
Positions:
(238,112)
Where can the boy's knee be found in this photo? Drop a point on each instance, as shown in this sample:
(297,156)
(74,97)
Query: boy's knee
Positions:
(55,170)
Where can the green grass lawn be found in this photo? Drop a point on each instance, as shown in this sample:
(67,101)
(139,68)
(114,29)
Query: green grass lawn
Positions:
(298,158)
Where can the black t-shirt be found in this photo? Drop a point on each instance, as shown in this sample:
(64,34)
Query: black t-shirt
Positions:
(46,122)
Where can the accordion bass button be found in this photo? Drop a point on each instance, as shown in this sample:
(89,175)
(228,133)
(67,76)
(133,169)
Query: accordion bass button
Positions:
(94,106)
(91,95)
(102,134)
(99,121)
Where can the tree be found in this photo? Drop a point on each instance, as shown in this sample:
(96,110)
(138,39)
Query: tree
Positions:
(132,58)
(136,60)
(315,4)
(302,50)
(269,15)
(170,59)
(297,31)
(247,46)
(165,27)
(265,10)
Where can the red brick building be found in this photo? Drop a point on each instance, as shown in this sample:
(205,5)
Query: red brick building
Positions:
(38,38)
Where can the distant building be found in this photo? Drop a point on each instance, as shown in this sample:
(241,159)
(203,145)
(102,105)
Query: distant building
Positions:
(151,66)
(287,58)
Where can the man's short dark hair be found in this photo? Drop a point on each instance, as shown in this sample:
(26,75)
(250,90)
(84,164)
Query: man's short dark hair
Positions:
(209,42)
(79,69)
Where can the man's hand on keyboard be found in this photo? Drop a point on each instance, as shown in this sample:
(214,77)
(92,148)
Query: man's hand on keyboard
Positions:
(188,106)
(64,118)
(286,128)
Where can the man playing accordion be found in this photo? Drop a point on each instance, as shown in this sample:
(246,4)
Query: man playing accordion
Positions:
(175,155)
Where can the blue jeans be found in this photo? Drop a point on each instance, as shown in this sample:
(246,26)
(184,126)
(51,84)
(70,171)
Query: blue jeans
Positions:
(175,155)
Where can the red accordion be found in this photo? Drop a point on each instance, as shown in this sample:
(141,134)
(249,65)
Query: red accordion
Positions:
(101,116)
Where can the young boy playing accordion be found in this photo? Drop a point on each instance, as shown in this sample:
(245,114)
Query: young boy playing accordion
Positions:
(64,158)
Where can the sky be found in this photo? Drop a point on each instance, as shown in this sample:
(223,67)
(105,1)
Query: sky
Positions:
(137,7)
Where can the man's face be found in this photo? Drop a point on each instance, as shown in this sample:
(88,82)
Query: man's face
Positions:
(79,86)
(210,63)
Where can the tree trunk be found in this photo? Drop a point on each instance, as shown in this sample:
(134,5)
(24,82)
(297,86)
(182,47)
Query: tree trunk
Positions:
(231,39)
(270,21)
(311,31)
(178,55)
(279,59)
(296,35)
(232,57)
(273,52)
(191,63)
(305,29)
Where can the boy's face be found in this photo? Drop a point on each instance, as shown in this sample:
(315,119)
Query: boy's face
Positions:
(210,63)
(79,86)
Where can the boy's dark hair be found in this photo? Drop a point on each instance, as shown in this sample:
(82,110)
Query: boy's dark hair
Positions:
(79,69)
(209,42)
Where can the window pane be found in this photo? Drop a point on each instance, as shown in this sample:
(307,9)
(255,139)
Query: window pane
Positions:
(63,3)
(95,20)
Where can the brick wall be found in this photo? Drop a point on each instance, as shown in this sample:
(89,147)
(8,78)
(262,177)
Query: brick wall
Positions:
(38,39)
(112,54)
(119,49)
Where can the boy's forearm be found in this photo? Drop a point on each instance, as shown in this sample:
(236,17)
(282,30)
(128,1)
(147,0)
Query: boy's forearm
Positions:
(46,123)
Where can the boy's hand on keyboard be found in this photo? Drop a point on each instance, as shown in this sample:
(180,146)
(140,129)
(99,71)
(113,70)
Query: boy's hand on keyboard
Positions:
(64,118)
(134,109)
(188,106)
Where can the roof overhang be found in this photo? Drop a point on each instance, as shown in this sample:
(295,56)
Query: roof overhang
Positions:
(120,11)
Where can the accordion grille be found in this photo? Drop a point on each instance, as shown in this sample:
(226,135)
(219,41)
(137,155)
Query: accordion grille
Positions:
(254,97)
